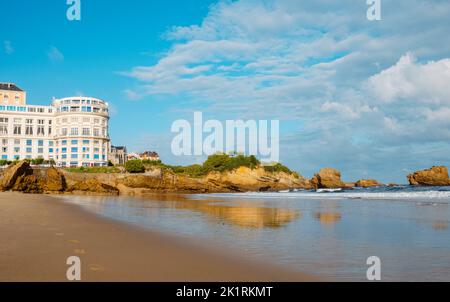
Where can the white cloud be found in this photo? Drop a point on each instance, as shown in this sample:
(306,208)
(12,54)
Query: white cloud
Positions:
(410,80)
(8,48)
(55,55)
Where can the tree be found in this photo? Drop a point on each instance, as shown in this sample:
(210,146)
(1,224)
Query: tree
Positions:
(134,166)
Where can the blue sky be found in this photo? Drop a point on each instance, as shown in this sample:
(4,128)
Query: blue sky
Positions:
(369,98)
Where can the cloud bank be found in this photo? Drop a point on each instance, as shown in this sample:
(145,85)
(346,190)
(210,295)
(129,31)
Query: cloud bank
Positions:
(370,98)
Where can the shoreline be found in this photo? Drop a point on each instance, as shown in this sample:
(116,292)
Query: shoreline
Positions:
(39,232)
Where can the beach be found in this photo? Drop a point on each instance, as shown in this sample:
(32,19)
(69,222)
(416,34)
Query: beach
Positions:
(39,232)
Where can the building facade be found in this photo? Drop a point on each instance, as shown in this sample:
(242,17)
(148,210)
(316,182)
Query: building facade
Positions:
(118,155)
(71,131)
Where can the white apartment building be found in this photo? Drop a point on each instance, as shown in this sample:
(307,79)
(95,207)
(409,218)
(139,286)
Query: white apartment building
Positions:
(72,131)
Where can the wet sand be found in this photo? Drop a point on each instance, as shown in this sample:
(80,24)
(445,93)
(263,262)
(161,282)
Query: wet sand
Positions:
(39,232)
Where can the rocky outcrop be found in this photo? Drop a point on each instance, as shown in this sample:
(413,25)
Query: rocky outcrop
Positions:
(12,173)
(435,176)
(367,183)
(327,178)
(21,177)
(92,186)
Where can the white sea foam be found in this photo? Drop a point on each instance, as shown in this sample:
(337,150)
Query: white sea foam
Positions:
(432,194)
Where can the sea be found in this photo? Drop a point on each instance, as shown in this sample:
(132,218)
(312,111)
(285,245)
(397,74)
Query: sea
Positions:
(327,233)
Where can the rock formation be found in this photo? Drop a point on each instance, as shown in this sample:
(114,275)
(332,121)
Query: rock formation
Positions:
(367,183)
(21,177)
(435,176)
(327,178)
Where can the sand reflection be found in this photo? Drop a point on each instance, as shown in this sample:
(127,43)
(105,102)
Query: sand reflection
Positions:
(440,225)
(328,217)
(243,215)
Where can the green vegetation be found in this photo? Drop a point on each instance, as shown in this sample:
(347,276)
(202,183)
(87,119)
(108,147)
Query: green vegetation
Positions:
(94,170)
(134,166)
(215,163)
(224,162)
(5,162)
(278,168)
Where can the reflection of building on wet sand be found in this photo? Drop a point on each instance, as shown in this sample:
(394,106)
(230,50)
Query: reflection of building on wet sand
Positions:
(244,216)
(328,217)
(440,225)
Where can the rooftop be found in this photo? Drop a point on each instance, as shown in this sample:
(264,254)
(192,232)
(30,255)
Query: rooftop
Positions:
(9,86)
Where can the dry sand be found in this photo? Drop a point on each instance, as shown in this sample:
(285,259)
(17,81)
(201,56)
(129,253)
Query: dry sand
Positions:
(39,232)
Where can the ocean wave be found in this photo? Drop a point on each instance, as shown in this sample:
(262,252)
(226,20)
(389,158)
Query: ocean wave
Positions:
(356,194)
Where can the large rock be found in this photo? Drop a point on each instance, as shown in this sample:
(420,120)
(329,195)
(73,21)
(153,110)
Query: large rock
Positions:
(367,183)
(47,180)
(327,178)
(93,186)
(12,173)
(435,176)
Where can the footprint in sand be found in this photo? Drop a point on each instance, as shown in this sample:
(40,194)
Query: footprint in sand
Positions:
(74,241)
(96,268)
(79,251)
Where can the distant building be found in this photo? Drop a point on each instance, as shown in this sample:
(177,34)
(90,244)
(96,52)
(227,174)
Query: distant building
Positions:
(118,155)
(132,156)
(149,155)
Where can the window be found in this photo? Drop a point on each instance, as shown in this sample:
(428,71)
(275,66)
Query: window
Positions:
(17,120)
(63,150)
(86,131)
(3,129)
(17,142)
(29,130)
(74,150)
(41,122)
(64,142)
(74,156)
(29,121)
(4,141)
(50,150)
(96,132)
(40,130)
(40,150)
(16,149)
(86,120)
(86,142)
(74,119)
(74,131)
(29,142)
(64,156)
(96,156)
(50,143)
(40,143)
(74,142)
(64,131)
(29,150)
(17,129)
(3,120)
